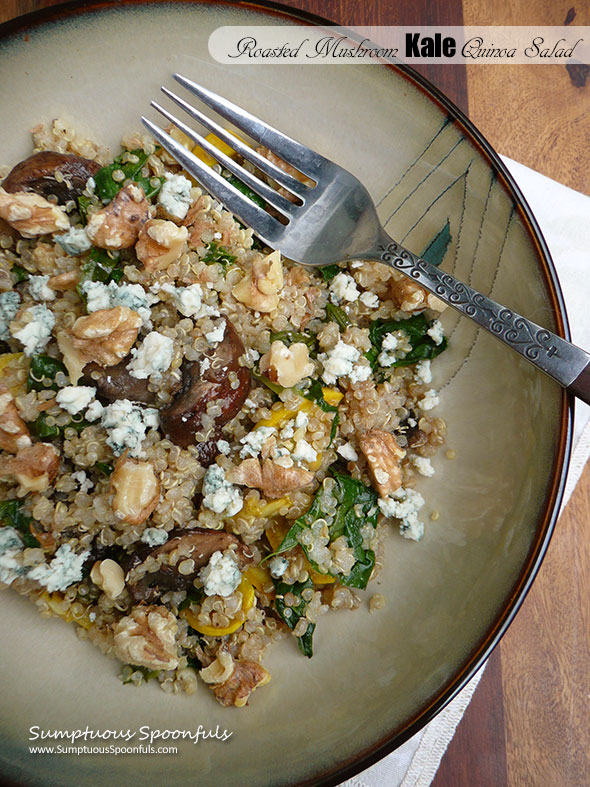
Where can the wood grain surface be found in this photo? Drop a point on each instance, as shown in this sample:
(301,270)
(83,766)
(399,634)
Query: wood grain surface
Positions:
(528,723)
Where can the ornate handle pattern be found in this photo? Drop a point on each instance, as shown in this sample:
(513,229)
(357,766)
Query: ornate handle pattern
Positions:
(564,362)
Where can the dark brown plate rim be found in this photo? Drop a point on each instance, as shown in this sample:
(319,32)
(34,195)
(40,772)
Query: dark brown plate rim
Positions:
(484,648)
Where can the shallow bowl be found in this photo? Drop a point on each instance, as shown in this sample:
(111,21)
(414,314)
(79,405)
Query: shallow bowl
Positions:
(375,679)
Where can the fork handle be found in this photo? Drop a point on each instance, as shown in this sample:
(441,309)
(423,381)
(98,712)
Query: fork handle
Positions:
(564,362)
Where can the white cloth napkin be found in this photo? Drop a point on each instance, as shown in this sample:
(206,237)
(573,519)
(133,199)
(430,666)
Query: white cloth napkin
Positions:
(563,215)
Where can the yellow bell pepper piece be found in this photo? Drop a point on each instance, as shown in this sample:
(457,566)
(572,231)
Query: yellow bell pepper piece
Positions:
(13,360)
(282,414)
(332,396)
(259,577)
(219,144)
(248,599)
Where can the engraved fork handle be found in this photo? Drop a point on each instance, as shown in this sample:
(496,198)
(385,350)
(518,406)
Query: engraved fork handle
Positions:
(564,362)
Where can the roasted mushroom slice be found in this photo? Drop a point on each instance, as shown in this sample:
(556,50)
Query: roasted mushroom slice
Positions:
(115,382)
(180,559)
(224,383)
(46,173)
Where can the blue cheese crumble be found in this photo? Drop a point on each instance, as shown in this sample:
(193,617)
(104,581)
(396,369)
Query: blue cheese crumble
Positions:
(252,443)
(35,334)
(404,504)
(395,346)
(62,571)
(221,576)
(189,301)
(175,195)
(340,362)
(74,241)
(216,335)
(154,536)
(75,398)
(107,296)
(40,289)
(152,357)
(219,495)
(126,424)
(10,549)
(436,332)
(277,566)
(9,305)
(304,452)
(343,288)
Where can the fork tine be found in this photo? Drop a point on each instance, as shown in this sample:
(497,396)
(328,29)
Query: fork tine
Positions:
(288,149)
(264,225)
(279,175)
(266,192)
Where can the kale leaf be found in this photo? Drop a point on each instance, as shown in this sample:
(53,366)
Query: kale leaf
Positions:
(423,345)
(41,429)
(356,506)
(107,189)
(329,272)
(337,315)
(20,273)
(291,615)
(246,191)
(43,370)
(11,514)
(219,254)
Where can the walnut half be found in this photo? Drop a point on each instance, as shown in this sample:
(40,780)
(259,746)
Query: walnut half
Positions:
(147,638)
(107,335)
(32,215)
(136,489)
(259,289)
(117,225)
(383,456)
(246,677)
(34,466)
(273,480)
(14,433)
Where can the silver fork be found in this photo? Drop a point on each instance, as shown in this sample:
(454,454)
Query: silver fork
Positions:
(335,220)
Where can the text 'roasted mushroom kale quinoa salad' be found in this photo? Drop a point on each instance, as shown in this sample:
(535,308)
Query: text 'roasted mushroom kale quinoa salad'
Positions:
(203,444)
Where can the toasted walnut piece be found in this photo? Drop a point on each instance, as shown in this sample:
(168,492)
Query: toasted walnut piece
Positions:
(73,358)
(259,289)
(160,243)
(14,433)
(109,577)
(118,224)
(32,215)
(64,281)
(135,488)
(246,678)
(34,466)
(107,335)
(220,670)
(410,297)
(286,365)
(147,638)
(383,455)
(286,168)
(272,479)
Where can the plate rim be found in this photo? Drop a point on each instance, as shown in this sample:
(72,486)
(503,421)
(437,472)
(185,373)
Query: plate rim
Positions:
(547,521)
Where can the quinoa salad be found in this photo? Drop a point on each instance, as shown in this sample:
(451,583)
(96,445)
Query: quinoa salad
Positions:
(203,444)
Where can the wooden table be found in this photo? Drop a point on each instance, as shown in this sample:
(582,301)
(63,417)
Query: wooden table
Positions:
(528,723)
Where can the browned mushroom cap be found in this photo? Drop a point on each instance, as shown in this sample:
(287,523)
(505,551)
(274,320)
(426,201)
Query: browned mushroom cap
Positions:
(38,173)
(116,382)
(183,418)
(197,545)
